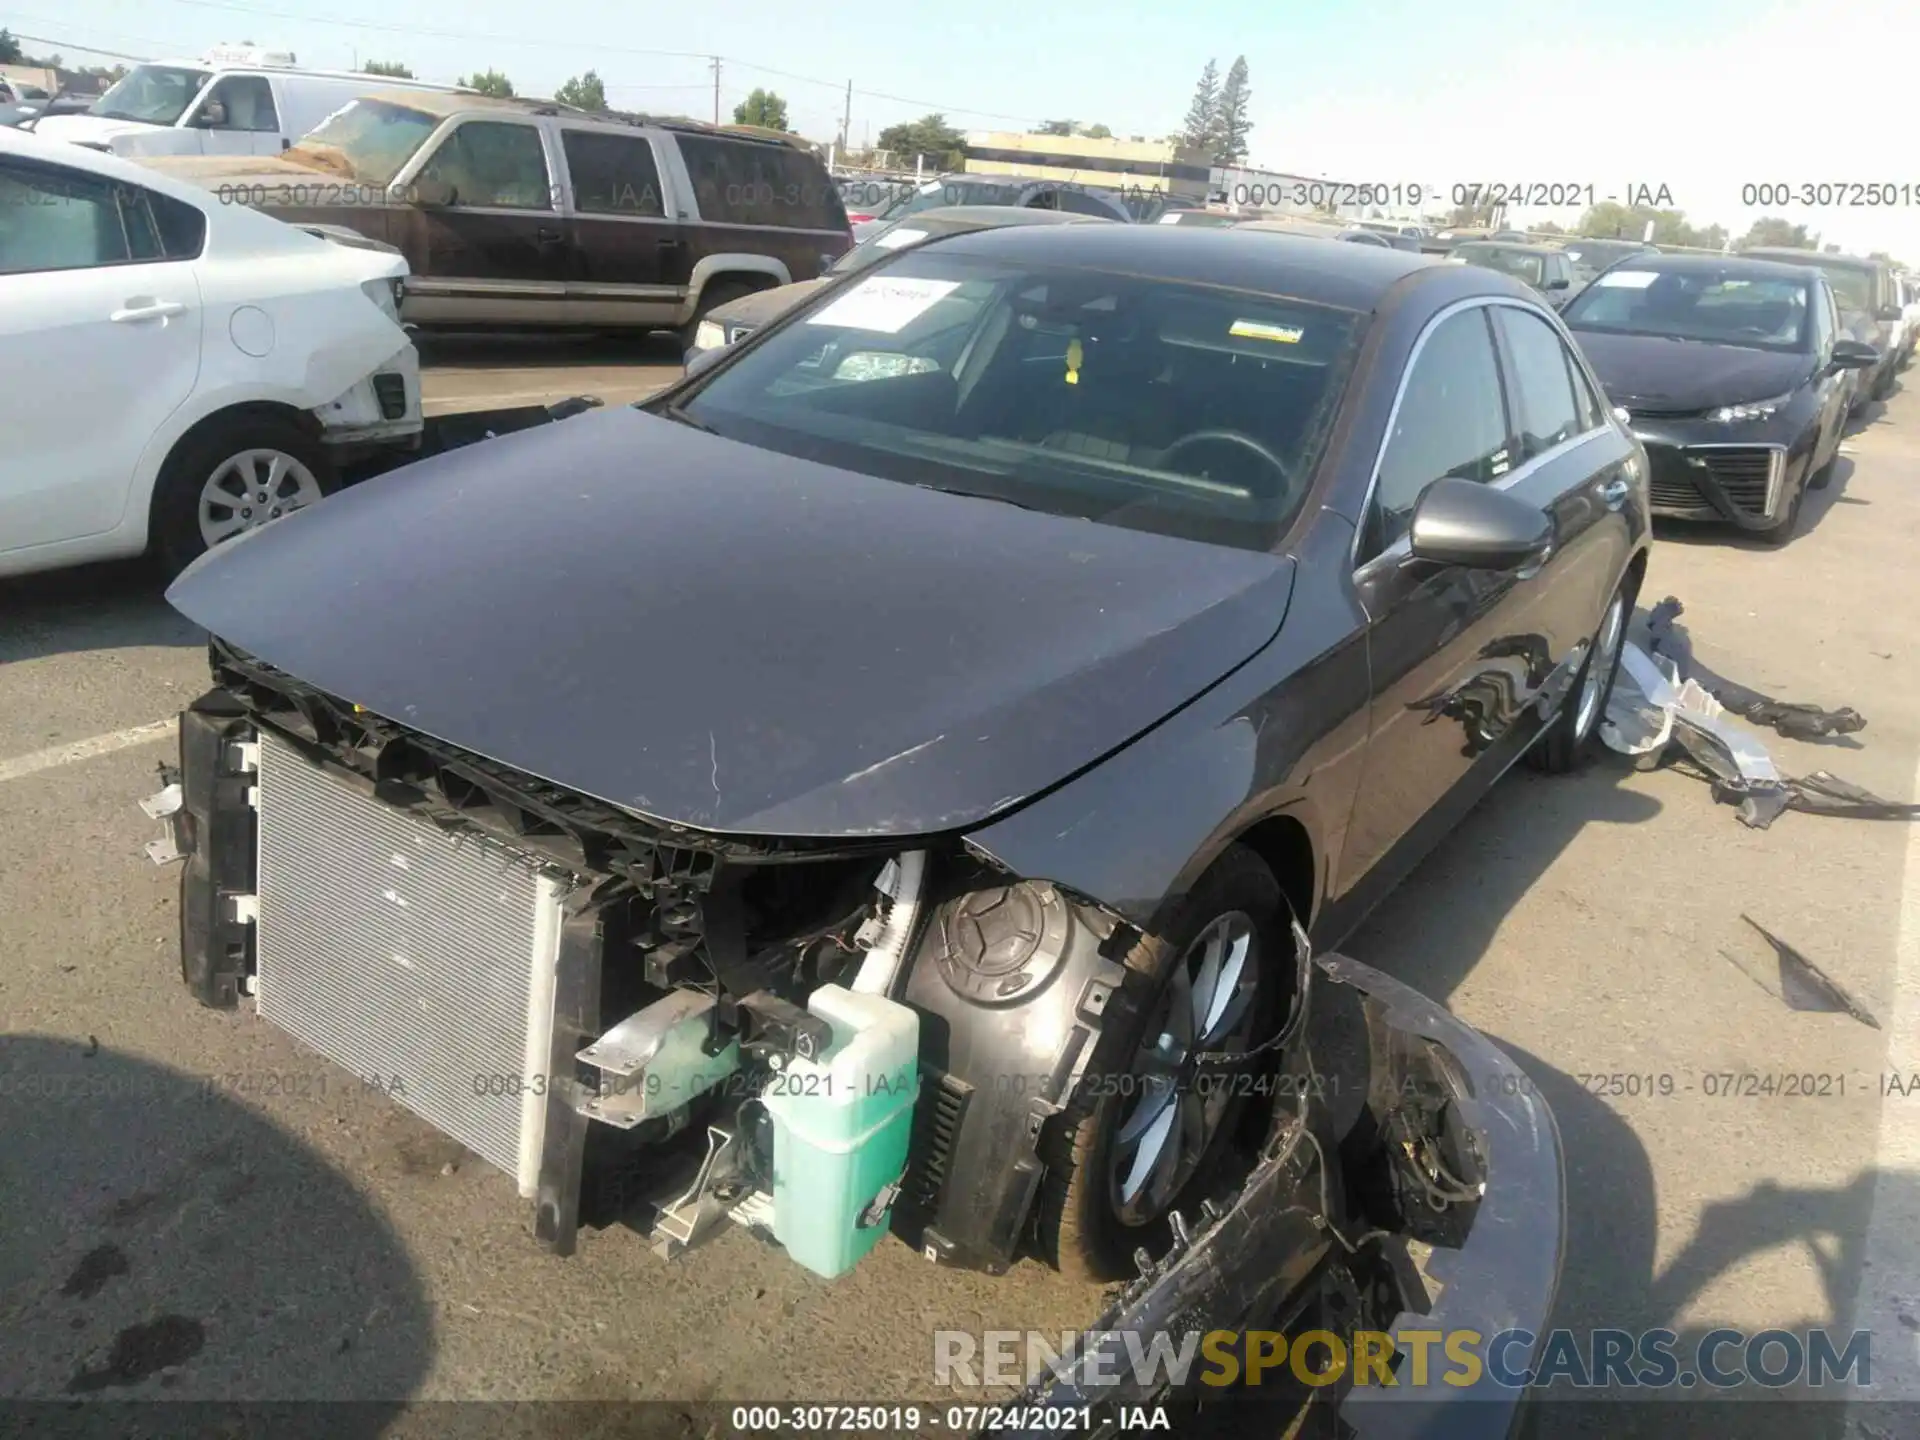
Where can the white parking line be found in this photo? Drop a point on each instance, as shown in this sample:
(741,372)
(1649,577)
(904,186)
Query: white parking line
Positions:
(1889,1299)
(60,755)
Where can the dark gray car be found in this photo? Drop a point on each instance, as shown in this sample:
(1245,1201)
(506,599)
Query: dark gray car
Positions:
(1870,310)
(1128,605)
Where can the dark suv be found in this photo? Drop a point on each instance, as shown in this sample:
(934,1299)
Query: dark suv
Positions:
(1870,309)
(522,213)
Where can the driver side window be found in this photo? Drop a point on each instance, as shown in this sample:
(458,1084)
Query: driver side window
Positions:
(1451,421)
(493,164)
(240,102)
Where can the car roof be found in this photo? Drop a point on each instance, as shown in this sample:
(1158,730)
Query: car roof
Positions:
(1329,272)
(1292,225)
(981,217)
(1743,264)
(1791,256)
(1020,182)
(445,103)
(1511,247)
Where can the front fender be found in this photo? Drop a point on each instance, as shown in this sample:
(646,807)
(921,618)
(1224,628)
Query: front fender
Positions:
(1283,735)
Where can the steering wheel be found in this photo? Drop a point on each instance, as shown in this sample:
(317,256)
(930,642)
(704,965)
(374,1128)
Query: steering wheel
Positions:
(1232,437)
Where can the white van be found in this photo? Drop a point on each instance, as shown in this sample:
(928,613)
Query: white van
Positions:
(230,103)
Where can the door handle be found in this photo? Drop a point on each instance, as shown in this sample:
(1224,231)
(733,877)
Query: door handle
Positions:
(151,310)
(546,238)
(1615,492)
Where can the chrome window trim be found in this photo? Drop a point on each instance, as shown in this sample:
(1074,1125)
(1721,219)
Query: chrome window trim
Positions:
(1447,312)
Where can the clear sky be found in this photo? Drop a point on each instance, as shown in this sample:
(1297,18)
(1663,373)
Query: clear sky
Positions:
(1700,96)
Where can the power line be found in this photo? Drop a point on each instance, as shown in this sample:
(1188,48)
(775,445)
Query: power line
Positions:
(66,45)
(519,41)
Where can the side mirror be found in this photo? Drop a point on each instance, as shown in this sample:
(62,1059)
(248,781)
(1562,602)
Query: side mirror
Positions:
(698,362)
(1854,355)
(1462,522)
(1559,282)
(1621,413)
(431,193)
(1889,313)
(212,116)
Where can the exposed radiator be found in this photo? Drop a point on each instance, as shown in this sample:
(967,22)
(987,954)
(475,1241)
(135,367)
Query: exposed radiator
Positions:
(421,961)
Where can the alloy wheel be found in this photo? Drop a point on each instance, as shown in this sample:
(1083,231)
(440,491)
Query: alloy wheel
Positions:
(1606,654)
(247,490)
(1167,1128)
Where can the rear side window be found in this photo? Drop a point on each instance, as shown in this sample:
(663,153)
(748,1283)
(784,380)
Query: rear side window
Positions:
(1540,385)
(613,174)
(53,218)
(182,229)
(742,182)
(1451,422)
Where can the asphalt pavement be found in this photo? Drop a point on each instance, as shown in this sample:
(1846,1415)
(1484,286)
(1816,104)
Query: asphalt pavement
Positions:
(195,1208)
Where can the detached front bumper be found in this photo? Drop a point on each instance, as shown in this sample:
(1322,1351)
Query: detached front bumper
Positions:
(1500,1278)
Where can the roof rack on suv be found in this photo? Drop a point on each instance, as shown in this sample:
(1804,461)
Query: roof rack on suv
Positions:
(678,123)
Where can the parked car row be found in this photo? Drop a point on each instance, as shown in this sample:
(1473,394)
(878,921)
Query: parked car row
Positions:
(257,105)
(1738,373)
(521,213)
(180,371)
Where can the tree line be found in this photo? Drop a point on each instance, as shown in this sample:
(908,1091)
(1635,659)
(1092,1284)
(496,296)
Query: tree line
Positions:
(588,92)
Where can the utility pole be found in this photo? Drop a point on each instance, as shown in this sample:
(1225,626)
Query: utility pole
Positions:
(716,89)
(846,121)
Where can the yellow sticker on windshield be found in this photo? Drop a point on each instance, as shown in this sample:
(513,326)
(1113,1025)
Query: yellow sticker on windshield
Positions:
(1074,356)
(1259,330)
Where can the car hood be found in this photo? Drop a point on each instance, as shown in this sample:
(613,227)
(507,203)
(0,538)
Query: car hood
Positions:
(213,171)
(1663,374)
(89,129)
(763,307)
(721,637)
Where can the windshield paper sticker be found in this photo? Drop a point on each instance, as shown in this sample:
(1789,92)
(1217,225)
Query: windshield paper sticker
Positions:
(1259,330)
(894,239)
(1628,279)
(884,304)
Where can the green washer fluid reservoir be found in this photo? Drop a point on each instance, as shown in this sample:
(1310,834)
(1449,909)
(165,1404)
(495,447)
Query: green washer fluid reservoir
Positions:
(841,1122)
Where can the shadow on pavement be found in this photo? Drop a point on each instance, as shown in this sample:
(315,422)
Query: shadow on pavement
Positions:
(162,1242)
(1434,928)
(1611,1277)
(90,607)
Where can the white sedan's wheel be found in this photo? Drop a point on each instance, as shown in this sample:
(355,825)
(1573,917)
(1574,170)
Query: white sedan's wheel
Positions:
(248,489)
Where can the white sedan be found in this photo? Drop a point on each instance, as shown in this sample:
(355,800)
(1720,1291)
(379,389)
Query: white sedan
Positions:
(178,370)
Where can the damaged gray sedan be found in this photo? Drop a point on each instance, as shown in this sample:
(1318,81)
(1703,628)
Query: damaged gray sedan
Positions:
(891,781)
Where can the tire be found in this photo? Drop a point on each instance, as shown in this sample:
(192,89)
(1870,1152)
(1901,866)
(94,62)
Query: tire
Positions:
(1823,477)
(720,292)
(1781,531)
(1888,378)
(220,451)
(1560,747)
(1081,1229)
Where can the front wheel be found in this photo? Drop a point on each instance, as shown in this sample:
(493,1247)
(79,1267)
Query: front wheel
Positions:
(1558,750)
(231,477)
(1143,1136)
(1781,531)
